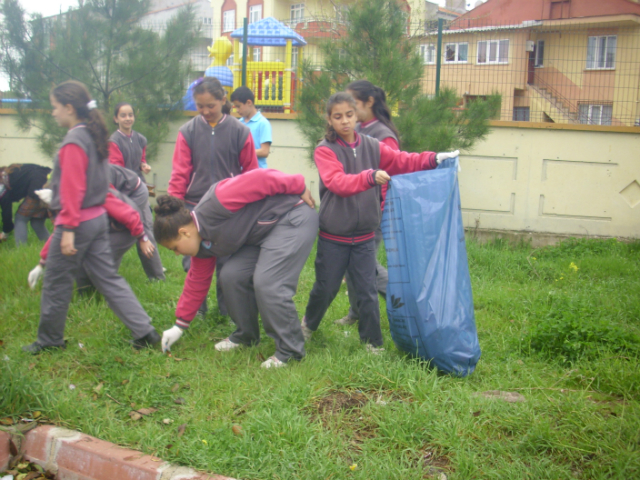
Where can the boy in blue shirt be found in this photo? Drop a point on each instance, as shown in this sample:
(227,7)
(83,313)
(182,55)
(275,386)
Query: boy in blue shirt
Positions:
(242,99)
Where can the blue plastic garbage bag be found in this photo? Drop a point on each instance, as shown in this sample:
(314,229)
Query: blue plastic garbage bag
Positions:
(429,301)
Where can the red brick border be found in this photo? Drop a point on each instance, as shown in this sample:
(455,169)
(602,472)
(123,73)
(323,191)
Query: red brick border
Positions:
(76,456)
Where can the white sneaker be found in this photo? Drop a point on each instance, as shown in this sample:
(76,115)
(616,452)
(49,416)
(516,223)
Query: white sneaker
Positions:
(272,362)
(346,321)
(226,345)
(307,333)
(374,350)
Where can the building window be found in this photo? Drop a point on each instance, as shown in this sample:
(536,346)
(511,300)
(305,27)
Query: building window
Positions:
(294,58)
(230,61)
(520,114)
(456,52)
(207,21)
(297,12)
(228,21)
(255,13)
(601,52)
(257,54)
(595,114)
(493,51)
(539,53)
(428,53)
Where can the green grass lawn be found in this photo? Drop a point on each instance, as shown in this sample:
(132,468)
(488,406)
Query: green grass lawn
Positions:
(559,326)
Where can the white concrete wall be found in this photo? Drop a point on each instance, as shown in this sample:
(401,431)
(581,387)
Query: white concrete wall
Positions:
(539,180)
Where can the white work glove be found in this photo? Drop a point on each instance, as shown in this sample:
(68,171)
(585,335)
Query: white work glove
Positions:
(45,195)
(34,276)
(444,155)
(171,336)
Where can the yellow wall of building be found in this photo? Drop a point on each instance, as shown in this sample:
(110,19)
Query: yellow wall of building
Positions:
(579,181)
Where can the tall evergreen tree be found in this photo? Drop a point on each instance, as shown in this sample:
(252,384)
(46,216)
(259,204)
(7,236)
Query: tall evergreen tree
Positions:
(103,45)
(375,45)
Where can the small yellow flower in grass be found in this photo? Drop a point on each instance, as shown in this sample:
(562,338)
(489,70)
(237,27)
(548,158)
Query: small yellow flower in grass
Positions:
(354,466)
(573,267)
(205,442)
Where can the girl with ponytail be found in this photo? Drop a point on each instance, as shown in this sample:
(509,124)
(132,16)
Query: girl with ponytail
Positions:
(79,184)
(258,220)
(374,120)
(352,169)
(210,147)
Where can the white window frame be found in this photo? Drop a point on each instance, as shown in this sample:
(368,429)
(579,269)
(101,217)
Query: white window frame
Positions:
(296,12)
(257,54)
(539,61)
(457,52)
(230,61)
(255,13)
(498,46)
(294,58)
(228,21)
(595,113)
(207,21)
(428,53)
(597,60)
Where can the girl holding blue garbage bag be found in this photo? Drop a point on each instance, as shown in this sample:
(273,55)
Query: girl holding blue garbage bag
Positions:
(374,120)
(352,169)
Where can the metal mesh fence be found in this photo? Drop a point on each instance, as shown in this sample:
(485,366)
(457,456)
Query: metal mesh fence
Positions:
(557,71)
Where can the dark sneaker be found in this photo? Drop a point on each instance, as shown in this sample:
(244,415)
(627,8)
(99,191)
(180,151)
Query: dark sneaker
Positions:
(35,348)
(149,340)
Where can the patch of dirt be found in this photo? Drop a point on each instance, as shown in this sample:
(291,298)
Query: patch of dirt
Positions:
(434,462)
(339,401)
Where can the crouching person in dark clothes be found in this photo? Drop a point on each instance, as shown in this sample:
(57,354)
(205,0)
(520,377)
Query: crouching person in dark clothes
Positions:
(261,221)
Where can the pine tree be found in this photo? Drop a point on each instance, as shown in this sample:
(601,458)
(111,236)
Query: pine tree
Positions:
(375,45)
(103,45)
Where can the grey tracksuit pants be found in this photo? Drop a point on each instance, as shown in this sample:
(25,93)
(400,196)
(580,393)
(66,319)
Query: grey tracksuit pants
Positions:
(20,231)
(94,253)
(264,278)
(152,266)
(332,261)
(382,278)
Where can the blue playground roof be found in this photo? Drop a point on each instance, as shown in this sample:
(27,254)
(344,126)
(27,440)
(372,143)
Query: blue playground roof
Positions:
(269,32)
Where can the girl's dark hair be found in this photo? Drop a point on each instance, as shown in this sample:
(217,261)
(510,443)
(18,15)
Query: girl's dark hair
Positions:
(171,215)
(362,90)
(76,94)
(341,97)
(118,107)
(212,86)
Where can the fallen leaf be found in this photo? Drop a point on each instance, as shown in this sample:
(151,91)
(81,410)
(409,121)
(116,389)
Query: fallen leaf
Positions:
(133,405)
(7,421)
(94,397)
(167,421)
(135,416)
(119,360)
(181,429)
(1,343)
(175,388)
(260,357)
(511,397)
(37,414)
(32,475)
(477,414)
(31,365)
(125,381)
(132,457)
(147,411)
(180,401)
(98,387)
(156,459)
(22,466)
(237,430)
(170,446)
